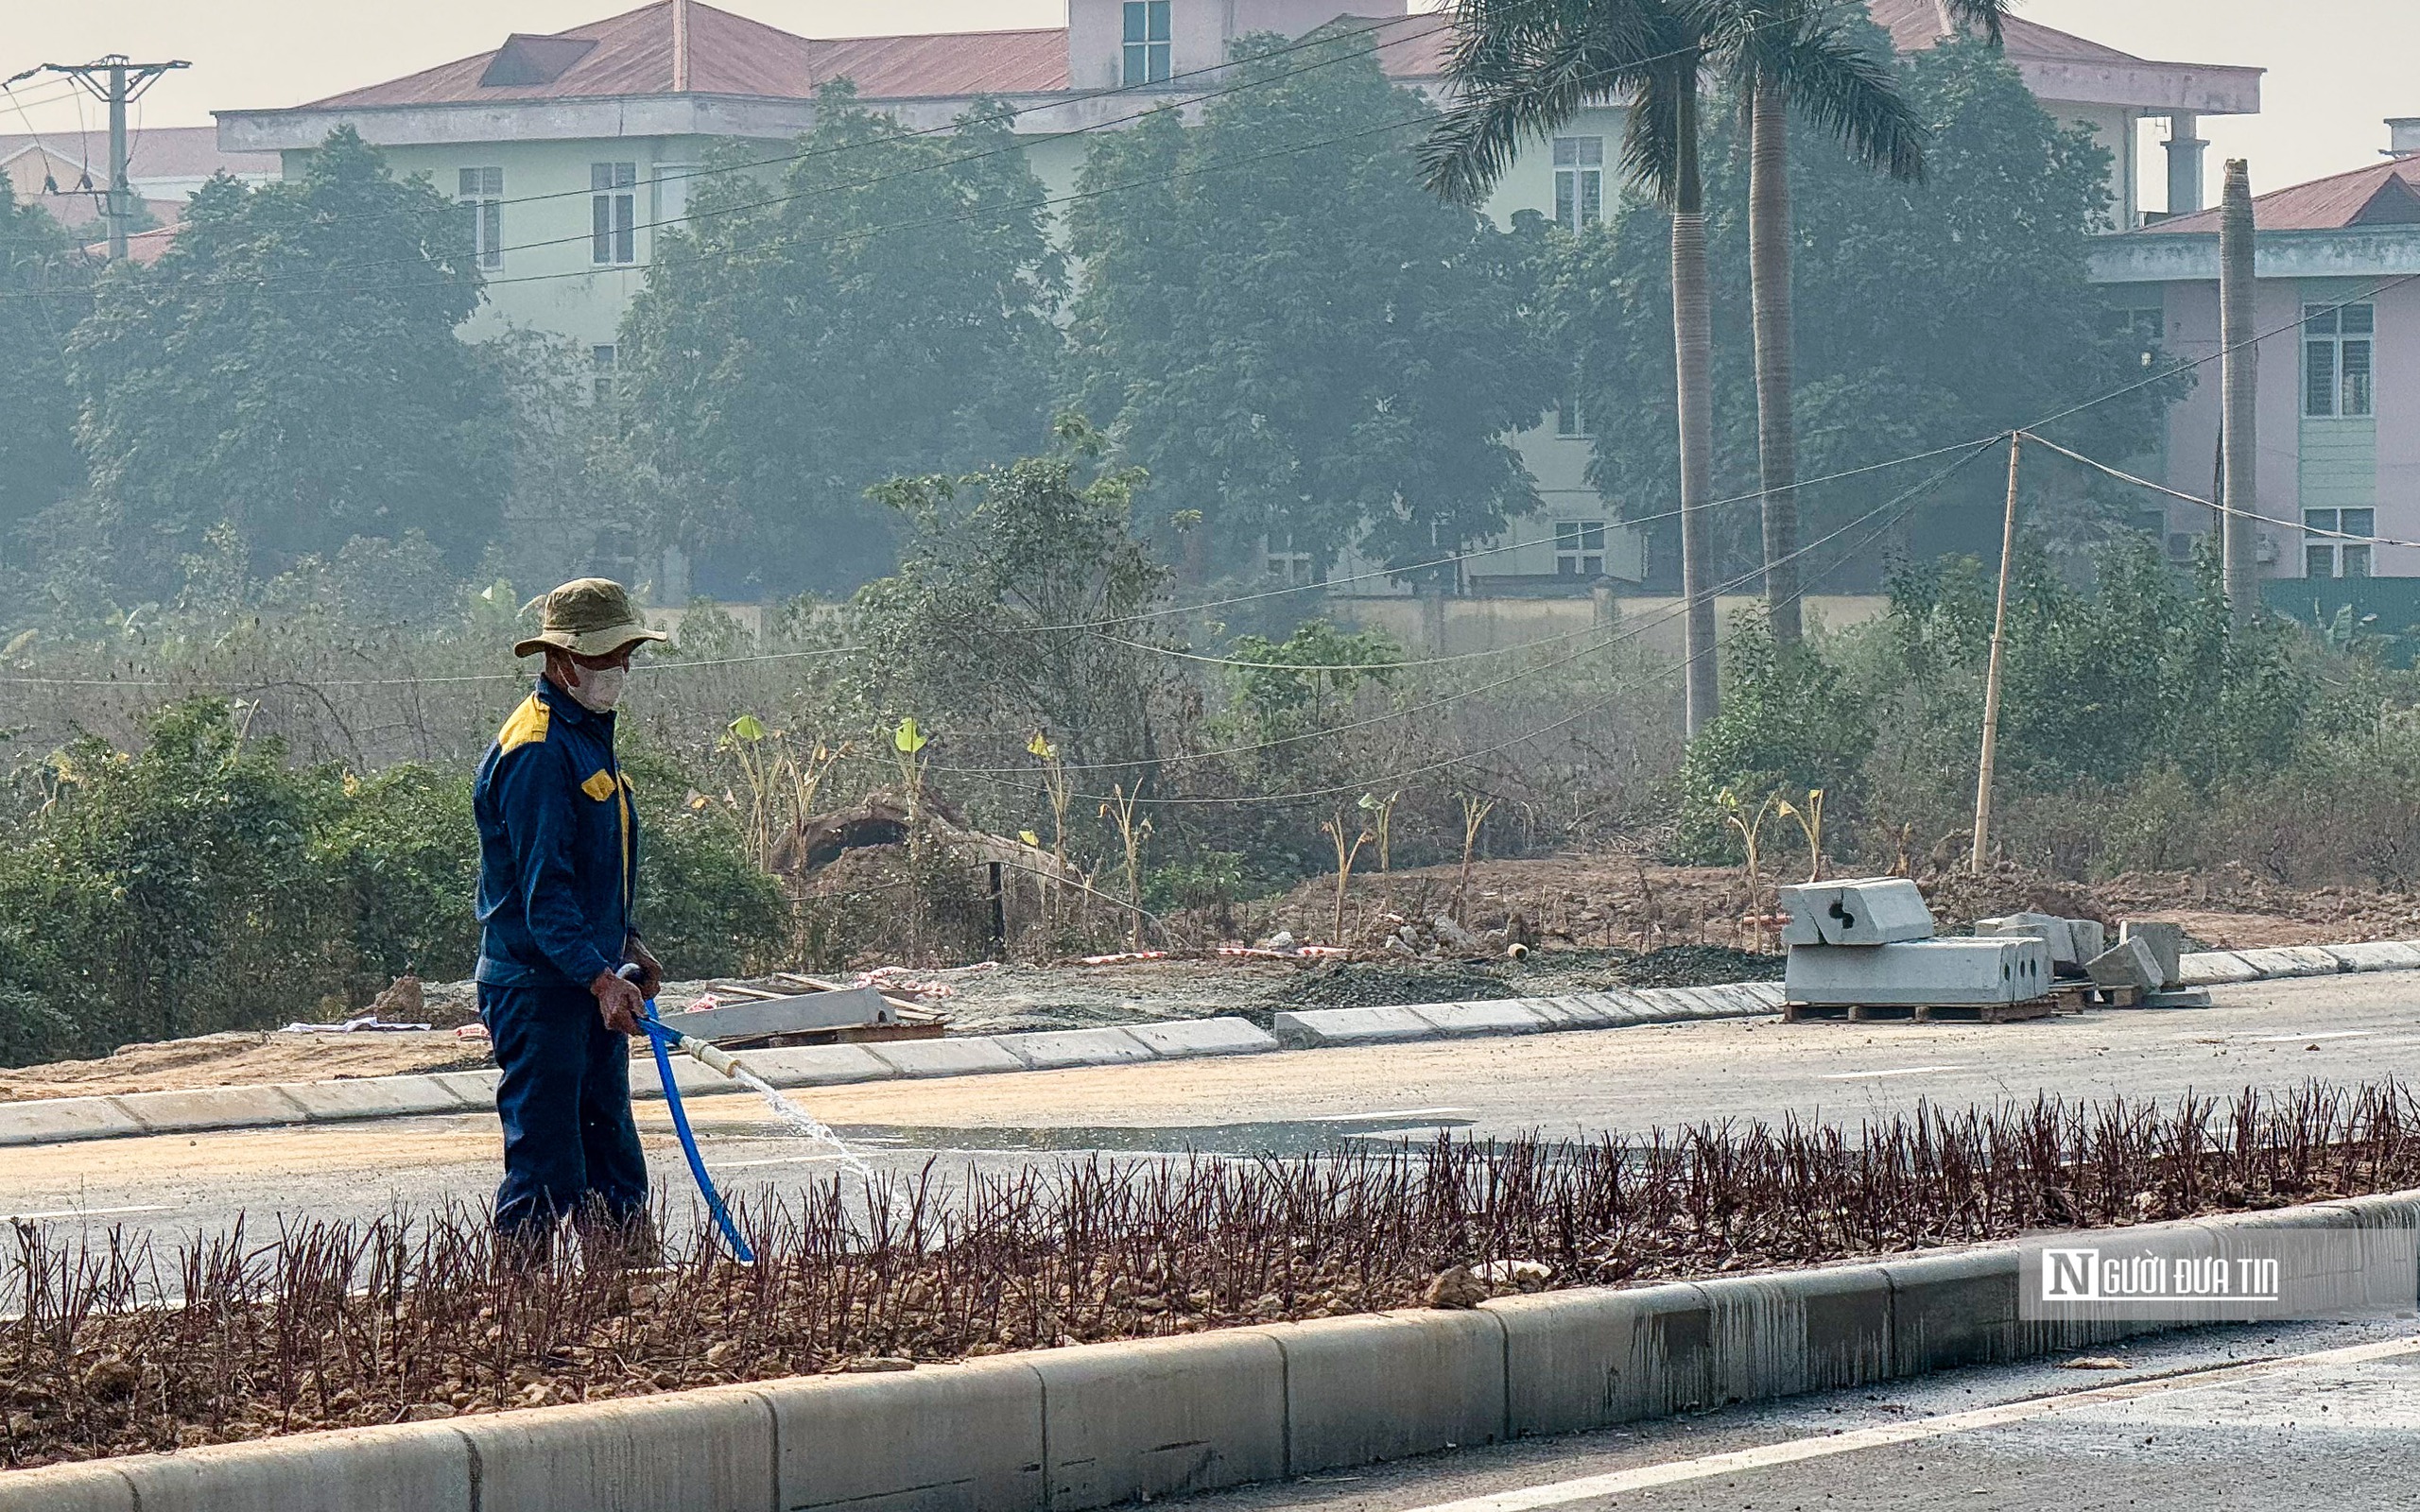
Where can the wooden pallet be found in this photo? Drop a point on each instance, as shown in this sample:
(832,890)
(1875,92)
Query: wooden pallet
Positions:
(2075,997)
(1916,1013)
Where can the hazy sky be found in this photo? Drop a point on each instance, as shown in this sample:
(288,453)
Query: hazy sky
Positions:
(2337,68)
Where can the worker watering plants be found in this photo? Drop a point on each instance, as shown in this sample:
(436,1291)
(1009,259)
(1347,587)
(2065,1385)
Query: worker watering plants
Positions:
(559,858)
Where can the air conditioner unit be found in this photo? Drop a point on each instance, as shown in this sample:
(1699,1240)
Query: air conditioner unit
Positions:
(2264,549)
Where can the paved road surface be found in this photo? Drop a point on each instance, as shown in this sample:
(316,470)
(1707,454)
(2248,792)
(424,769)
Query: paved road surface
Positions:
(2304,1418)
(2271,1033)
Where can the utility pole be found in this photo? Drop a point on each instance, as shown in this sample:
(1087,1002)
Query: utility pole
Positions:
(114,81)
(2238,396)
(1991,675)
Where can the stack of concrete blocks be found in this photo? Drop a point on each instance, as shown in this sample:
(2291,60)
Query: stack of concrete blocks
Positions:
(1868,942)
(2145,956)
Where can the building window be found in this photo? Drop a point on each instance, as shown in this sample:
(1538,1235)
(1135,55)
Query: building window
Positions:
(1147,41)
(1579,181)
(2336,359)
(2140,328)
(1570,420)
(600,372)
(481,196)
(1287,564)
(2332,557)
(612,225)
(1579,548)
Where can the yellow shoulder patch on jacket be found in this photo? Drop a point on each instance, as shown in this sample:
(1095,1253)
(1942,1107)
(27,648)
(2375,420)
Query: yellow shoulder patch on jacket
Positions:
(528,724)
(599,784)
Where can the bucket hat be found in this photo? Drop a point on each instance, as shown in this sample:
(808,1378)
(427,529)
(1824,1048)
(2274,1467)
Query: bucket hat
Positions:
(588,616)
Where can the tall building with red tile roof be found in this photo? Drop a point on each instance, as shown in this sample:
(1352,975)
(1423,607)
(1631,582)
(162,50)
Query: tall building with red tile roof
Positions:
(2338,301)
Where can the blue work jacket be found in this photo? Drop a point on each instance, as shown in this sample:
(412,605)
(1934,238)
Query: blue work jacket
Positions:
(559,846)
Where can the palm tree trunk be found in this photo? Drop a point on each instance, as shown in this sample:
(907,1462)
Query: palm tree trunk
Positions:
(1693,363)
(1768,233)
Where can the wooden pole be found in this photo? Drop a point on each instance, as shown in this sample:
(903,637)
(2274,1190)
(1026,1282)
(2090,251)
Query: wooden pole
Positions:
(1992,676)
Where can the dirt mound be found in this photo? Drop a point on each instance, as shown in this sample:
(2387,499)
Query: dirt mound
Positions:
(1699,965)
(1357,985)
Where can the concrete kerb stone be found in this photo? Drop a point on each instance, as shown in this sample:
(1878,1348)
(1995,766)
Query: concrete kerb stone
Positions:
(60,1119)
(1595,1357)
(1385,1385)
(817,1065)
(695,1080)
(1796,1332)
(91,1487)
(1163,1417)
(938,1438)
(2213,968)
(2376,956)
(408,1467)
(1182,1039)
(2291,960)
(1575,1012)
(1953,1310)
(476,1089)
(201,1109)
(973,1057)
(709,1450)
(1471,1019)
(373,1097)
(1316,1028)
(1056,1049)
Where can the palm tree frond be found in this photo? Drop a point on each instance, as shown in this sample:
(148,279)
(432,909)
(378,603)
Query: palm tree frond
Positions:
(1840,86)
(1983,15)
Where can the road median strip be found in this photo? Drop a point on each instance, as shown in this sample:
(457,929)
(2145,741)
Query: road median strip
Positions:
(1071,1429)
(64,1120)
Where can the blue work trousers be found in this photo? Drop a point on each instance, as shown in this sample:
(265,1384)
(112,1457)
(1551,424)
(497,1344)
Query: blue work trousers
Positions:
(570,1149)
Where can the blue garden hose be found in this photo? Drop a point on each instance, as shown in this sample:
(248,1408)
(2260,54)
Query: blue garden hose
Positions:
(662,1039)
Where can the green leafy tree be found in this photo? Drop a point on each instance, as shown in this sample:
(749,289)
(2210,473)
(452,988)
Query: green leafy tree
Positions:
(1792,722)
(290,365)
(44,290)
(884,308)
(1288,335)
(1939,312)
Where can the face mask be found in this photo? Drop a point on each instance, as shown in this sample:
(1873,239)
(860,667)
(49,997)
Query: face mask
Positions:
(600,688)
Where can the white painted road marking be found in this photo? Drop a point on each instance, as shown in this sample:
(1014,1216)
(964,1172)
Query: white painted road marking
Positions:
(1592,1487)
(2288,1039)
(1896,1070)
(80,1212)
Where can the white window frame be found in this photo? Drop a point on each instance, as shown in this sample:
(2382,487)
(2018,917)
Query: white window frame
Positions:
(480,193)
(1571,415)
(604,360)
(1579,181)
(1287,564)
(1147,42)
(614,203)
(1579,548)
(2339,361)
(2330,556)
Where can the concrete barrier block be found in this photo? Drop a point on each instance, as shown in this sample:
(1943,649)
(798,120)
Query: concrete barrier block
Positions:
(1795,1332)
(198,1109)
(2165,941)
(1953,1310)
(408,1468)
(2004,968)
(1180,1039)
(2091,937)
(1387,1385)
(1317,1028)
(691,1451)
(817,1065)
(58,1120)
(2291,960)
(1162,1417)
(1854,911)
(326,1102)
(86,1487)
(2376,956)
(2127,963)
(2213,968)
(974,1057)
(1460,1019)
(1058,1048)
(938,1438)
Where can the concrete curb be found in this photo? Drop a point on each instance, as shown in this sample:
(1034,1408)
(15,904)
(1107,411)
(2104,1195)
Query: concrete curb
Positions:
(1098,1425)
(63,1120)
